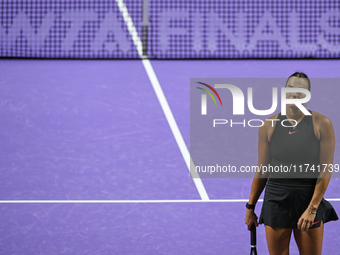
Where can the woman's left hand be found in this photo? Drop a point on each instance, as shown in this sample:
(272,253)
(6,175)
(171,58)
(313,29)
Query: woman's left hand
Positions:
(306,221)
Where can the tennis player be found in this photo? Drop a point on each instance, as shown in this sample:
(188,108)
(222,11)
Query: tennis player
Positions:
(294,205)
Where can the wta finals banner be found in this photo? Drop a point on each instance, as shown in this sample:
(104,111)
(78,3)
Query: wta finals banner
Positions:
(175,29)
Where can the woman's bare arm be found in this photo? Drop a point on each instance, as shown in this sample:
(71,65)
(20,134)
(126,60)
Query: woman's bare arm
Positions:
(260,179)
(327,146)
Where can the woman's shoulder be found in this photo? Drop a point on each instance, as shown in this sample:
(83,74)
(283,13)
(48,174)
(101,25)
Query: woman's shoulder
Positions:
(322,125)
(271,121)
(274,116)
(269,125)
(320,119)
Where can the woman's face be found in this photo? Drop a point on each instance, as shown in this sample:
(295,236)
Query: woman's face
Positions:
(295,82)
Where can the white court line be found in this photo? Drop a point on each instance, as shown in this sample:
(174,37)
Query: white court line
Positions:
(162,99)
(133,201)
(122,201)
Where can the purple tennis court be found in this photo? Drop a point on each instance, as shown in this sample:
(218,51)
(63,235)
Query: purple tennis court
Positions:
(95,130)
(96,153)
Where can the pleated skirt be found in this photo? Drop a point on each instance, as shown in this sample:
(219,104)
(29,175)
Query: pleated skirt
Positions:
(284,204)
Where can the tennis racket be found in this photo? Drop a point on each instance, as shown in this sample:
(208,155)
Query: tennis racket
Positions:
(253,250)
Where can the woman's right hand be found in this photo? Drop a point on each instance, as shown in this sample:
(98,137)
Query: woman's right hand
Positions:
(251,218)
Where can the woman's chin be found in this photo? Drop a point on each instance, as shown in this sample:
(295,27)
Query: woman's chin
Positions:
(293,107)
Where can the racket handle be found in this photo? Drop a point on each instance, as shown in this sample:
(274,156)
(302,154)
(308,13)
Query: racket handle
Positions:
(253,235)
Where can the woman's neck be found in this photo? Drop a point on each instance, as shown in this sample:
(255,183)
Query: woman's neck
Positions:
(295,114)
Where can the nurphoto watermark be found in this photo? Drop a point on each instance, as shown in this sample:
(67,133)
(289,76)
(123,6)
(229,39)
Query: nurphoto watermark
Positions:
(226,115)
